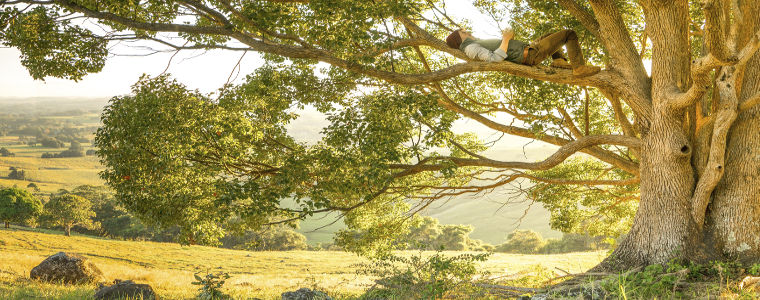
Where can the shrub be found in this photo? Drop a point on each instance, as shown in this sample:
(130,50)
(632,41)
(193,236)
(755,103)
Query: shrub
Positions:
(210,286)
(522,241)
(50,142)
(419,277)
(275,238)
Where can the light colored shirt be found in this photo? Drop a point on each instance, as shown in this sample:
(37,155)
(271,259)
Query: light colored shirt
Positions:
(478,52)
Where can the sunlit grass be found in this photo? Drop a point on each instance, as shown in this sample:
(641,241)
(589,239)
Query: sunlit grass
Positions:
(49,174)
(169,267)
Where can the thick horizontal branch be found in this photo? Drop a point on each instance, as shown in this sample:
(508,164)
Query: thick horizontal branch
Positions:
(558,157)
(601,154)
(630,181)
(604,80)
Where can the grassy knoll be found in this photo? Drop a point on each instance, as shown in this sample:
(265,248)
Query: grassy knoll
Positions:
(169,267)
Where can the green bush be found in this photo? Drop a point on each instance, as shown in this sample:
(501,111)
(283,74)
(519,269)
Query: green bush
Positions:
(436,276)
(531,242)
(69,210)
(210,286)
(522,241)
(426,233)
(275,238)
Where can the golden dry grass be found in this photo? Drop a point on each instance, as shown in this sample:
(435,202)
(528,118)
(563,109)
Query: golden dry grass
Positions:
(169,267)
(49,174)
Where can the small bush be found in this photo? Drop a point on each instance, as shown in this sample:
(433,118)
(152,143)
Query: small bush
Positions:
(419,277)
(210,286)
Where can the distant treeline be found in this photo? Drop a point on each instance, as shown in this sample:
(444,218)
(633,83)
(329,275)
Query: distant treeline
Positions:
(104,216)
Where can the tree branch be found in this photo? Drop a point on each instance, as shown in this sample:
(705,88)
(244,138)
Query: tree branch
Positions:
(583,16)
(558,157)
(714,170)
(618,42)
(701,72)
(715,24)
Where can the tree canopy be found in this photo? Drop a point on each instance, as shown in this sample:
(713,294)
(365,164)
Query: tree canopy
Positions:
(69,210)
(654,142)
(18,206)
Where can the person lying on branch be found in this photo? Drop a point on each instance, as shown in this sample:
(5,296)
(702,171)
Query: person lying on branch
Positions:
(493,50)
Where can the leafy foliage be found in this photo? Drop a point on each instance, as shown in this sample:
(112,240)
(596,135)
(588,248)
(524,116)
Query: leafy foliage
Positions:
(5,152)
(210,286)
(598,211)
(18,206)
(422,276)
(274,238)
(49,46)
(214,163)
(676,280)
(69,210)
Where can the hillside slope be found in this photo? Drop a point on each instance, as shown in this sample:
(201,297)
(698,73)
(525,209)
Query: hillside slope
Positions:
(169,267)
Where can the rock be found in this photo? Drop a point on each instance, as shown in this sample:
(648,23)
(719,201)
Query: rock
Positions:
(125,289)
(67,268)
(305,294)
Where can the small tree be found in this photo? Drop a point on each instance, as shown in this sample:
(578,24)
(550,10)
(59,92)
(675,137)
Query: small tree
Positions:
(6,152)
(18,205)
(33,186)
(69,210)
(17,174)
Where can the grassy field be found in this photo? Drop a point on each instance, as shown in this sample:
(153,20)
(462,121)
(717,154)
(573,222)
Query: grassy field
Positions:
(169,267)
(49,174)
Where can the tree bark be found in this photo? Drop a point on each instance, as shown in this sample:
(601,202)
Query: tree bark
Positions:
(733,220)
(662,228)
(7,225)
(67,230)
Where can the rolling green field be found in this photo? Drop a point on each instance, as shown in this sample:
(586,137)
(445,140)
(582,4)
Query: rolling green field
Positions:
(169,267)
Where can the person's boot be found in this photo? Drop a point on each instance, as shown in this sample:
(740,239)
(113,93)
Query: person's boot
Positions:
(561,63)
(584,70)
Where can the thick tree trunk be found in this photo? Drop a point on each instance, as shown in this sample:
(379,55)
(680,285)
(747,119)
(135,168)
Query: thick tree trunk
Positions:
(662,228)
(67,230)
(733,219)
(7,225)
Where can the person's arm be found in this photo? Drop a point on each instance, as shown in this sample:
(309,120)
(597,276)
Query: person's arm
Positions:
(506,36)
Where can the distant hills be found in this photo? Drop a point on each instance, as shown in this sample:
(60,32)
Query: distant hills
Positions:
(51,105)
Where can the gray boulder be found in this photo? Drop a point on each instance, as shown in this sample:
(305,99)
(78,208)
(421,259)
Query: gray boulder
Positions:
(305,294)
(67,268)
(125,289)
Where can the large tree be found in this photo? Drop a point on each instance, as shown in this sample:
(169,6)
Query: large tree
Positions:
(686,134)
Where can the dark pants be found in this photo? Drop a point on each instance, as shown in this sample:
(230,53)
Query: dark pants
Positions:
(551,45)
